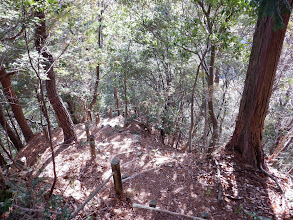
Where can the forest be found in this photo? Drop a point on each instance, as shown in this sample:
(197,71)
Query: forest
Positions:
(192,98)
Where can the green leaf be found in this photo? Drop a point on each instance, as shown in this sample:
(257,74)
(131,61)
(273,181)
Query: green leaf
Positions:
(4,206)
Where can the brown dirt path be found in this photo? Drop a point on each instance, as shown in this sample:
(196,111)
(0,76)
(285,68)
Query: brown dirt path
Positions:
(179,182)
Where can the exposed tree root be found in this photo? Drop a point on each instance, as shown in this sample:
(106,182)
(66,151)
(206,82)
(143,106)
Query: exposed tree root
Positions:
(279,186)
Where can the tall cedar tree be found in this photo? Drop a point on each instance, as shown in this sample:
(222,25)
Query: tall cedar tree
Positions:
(61,112)
(14,103)
(265,53)
(95,95)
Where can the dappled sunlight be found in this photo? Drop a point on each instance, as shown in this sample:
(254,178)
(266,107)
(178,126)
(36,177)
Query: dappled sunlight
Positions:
(178,182)
(181,188)
(161,160)
(192,99)
(106,174)
(194,195)
(74,189)
(120,147)
(82,135)
(174,176)
(115,139)
(142,196)
(116,121)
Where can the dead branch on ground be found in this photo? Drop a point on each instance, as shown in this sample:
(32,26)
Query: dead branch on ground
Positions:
(165,211)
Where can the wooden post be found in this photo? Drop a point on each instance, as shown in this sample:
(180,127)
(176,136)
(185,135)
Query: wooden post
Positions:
(115,164)
(111,115)
(92,146)
(87,130)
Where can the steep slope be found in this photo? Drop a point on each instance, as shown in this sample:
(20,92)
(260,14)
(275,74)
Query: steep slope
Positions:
(179,182)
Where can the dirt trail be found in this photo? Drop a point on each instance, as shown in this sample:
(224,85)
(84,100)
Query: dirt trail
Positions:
(179,182)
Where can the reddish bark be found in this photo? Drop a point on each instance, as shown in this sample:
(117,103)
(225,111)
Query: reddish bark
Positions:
(12,136)
(61,112)
(111,113)
(15,105)
(265,54)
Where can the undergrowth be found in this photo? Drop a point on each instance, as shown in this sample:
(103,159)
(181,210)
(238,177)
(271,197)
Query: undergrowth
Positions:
(28,199)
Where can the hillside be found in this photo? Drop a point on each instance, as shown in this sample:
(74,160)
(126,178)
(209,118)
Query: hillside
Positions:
(179,182)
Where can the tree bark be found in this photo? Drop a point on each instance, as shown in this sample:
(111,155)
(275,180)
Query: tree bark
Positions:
(264,58)
(192,111)
(12,123)
(192,103)
(12,136)
(2,164)
(15,105)
(217,76)
(72,109)
(95,95)
(205,129)
(61,112)
(125,84)
(125,94)
(100,43)
(212,116)
(117,100)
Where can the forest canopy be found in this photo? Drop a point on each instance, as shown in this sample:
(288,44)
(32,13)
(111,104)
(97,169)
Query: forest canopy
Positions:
(184,68)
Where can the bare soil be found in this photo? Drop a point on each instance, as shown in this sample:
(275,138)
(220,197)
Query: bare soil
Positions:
(179,182)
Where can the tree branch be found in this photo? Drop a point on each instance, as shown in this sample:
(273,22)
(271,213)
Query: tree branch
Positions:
(15,36)
(135,205)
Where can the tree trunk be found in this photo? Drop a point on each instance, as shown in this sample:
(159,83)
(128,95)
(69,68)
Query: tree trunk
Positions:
(72,109)
(217,76)
(265,54)
(4,150)
(2,164)
(12,123)
(125,85)
(192,104)
(117,100)
(205,129)
(15,105)
(212,116)
(2,180)
(12,136)
(111,113)
(223,106)
(125,95)
(283,142)
(61,112)
(95,95)
(192,112)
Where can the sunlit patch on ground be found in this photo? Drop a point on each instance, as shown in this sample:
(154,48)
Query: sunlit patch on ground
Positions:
(179,182)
